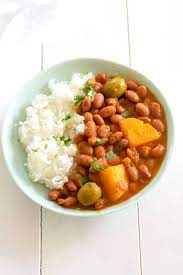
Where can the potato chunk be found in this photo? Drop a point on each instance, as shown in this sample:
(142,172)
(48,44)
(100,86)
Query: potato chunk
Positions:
(114,182)
(137,132)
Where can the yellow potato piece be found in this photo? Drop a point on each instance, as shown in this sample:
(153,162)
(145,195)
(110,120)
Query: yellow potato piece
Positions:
(137,132)
(114,182)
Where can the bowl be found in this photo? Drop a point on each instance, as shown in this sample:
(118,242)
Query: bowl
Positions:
(15,156)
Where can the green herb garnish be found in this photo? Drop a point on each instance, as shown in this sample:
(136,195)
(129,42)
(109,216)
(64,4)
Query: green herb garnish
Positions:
(89,91)
(46,146)
(34,150)
(91,94)
(85,179)
(126,113)
(78,99)
(84,73)
(66,116)
(99,140)
(98,167)
(110,155)
(67,142)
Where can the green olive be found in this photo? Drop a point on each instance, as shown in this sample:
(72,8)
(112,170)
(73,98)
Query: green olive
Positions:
(115,87)
(89,194)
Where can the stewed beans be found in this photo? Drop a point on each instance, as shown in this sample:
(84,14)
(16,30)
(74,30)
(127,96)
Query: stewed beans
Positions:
(122,146)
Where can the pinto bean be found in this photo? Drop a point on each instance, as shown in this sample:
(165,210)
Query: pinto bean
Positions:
(99,151)
(142,109)
(104,140)
(54,194)
(103,131)
(119,109)
(142,91)
(145,119)
(132,85)
(158,124)
(144,171)
(94,178)
(132,96)
(101,203)
(155,110)
(77,179)
(79,109)
(90,129)
(71,186)
(123,102)
(98,119)
(133,154)
(87,117)
(86,104)
(69,202)
(101,78)
(98,87)
(109,148)
(132,173)
(150,163)
(116,118)
(98,101)
(158,151)
(81,170)
(102,162)
(144,151)
(60,201)
(114,161)
(84,160)
(120,145)
(114,128)
(117,136)
(92,141)
(111,101)
(78,138)
(107,111)
(85,149)
(94,111)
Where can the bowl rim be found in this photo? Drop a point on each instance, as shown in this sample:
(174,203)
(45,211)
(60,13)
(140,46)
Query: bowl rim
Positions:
(112,209)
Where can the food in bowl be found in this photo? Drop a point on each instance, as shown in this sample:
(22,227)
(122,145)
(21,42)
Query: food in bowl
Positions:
(95,141)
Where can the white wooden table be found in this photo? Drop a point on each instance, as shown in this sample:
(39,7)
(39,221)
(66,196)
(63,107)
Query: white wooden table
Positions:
(147,238)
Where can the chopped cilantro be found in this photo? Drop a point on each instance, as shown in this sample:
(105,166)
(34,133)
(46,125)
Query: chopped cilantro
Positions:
(98,167)
(85,179)
(67,142)
(34,150)
(91,94)
(87,88)
(46,146)
(84,73)
(66,116)
(99,140)
(78,99)
(60,138)
(110,155)
(126,113)
(89,91)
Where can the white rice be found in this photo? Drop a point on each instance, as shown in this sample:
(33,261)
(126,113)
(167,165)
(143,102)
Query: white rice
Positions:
(49,161)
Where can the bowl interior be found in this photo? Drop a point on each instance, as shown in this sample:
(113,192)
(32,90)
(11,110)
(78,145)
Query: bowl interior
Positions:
(14,154)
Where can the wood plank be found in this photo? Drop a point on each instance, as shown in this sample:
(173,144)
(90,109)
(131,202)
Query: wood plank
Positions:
(156,50)
(107,245)
(19,229)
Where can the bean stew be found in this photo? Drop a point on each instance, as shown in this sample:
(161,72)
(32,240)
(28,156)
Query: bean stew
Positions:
(122,147)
